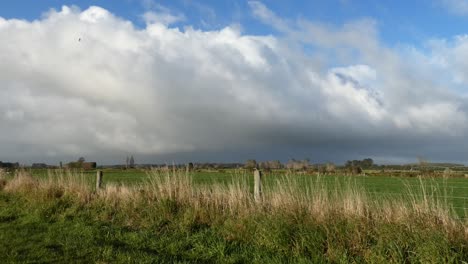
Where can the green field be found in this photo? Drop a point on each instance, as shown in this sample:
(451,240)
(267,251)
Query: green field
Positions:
(157,218)
(452,191)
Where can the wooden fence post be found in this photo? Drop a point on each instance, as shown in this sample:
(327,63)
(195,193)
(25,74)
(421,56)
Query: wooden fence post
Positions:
(257,185)
(99,176)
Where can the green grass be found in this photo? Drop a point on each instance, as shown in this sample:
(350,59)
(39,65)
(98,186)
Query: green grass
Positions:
(62,230)
(171,220)
(453,191)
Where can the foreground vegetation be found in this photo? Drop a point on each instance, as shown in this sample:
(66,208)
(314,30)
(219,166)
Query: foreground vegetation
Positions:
(453,191)
(169,219)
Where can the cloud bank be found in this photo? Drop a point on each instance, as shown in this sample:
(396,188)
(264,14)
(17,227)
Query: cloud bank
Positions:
(88,83)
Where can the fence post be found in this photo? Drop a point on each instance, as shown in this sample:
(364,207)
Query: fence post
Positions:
(99,176)
(257,185)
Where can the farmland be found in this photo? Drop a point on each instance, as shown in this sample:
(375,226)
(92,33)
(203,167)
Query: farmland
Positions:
(453,191)
(205,217)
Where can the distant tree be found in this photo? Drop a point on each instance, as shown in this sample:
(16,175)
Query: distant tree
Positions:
(298,165)
(425,167)
(251,164)
(127,161)
(354,169)
(132,162)
(363,164)
(190,166)
(367,163)
(275,164)
(265,166)
(357,170)
(81,160)
(447,172)
(422,161)
(330,168)
(321,169)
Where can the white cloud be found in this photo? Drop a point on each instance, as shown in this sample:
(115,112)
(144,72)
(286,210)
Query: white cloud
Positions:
(151,17)
(458,7)
(157,13)
(94,14)
(162,90)
(267,16)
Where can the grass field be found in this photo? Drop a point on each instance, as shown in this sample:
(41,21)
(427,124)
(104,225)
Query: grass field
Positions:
(453,191)
(211,217)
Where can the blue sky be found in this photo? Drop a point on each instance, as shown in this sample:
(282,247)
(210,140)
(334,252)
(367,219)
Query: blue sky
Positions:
(190,80)
(407,22)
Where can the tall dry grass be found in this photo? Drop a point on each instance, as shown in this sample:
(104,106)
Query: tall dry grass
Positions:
(57,184)
(288,195)
(3,180)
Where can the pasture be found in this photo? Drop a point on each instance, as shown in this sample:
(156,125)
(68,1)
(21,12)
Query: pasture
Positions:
(451,191)
(211,217)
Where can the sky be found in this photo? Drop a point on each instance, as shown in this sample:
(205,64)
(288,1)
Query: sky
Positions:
(226,81)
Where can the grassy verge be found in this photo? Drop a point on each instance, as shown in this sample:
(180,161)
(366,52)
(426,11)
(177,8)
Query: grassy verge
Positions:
(453,191)
(170,220)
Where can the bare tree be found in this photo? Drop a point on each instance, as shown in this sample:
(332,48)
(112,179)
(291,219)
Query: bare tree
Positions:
(330,168)
(298,165)
(251,164)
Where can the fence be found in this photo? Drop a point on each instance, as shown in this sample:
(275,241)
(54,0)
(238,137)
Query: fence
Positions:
(259,190)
